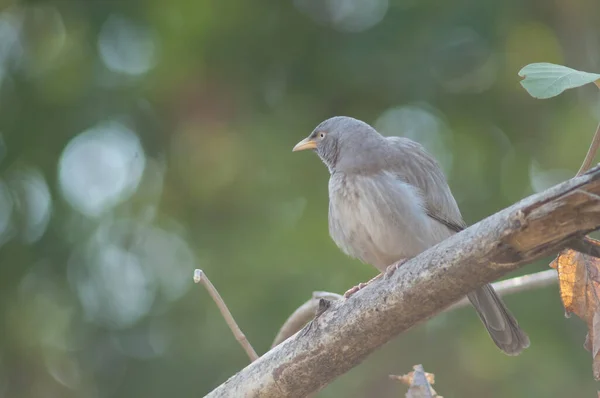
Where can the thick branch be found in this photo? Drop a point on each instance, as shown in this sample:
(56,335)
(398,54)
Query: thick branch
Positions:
(353,328)
(306,312)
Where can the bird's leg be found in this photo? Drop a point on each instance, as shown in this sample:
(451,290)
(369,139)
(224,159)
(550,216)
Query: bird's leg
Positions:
(356,288)
(387,273)
(392,268)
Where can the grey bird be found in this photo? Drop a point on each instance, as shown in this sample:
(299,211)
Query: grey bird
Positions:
(389,201)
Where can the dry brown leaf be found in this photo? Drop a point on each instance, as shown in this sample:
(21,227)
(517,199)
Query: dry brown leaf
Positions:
(579,283)
(419,383)
(407,379)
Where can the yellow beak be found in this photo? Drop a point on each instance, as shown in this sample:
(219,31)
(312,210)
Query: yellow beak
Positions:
(307,143)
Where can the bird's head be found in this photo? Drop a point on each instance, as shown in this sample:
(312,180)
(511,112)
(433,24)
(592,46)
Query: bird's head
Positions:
(342,143)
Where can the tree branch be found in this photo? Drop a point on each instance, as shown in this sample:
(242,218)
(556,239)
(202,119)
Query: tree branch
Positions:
(306,312)
(516,285)
(353,328)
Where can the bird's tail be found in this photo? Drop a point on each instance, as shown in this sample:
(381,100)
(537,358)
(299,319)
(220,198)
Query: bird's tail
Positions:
(499,322)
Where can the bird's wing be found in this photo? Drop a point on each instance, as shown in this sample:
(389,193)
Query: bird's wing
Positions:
(412,164)
(451,225)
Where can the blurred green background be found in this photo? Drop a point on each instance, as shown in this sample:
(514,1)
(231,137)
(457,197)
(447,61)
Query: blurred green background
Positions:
(142,139)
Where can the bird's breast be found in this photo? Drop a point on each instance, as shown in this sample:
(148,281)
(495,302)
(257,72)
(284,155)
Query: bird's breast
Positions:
(377,218)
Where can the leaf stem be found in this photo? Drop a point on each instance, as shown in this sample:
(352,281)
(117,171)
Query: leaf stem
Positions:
(591,154)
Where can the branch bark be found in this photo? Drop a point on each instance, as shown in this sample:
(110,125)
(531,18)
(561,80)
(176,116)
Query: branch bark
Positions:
(353,328)
(306,312)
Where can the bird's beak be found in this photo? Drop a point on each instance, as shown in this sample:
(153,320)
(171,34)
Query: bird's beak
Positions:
(307,143)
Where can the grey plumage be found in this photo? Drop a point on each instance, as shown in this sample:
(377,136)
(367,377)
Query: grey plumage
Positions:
(389,200)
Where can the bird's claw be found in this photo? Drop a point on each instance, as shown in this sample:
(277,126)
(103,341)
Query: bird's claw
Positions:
(386,274)
(392,268)
(354,289)
(361,285)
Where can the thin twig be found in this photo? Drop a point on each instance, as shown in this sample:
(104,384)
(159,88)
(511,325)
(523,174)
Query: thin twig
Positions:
(591,154)
(200,277)
(303,314)
(306,312)
(516,285)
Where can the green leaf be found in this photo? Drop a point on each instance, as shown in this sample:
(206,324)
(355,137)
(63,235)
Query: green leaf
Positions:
(544,80)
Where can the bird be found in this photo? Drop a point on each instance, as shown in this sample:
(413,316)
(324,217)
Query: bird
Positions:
(389,200)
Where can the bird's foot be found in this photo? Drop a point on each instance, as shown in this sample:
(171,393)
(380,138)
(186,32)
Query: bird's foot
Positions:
(392,268)
(386,274)
(354,289)
(361,285)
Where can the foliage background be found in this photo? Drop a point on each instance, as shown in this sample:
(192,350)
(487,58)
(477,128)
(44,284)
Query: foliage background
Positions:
(142,139)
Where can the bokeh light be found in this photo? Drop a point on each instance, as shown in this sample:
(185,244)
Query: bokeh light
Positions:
(101,167)
(6,209)
(463,62)
(420,123)
(11,47)
(45,37)
(33,203)
(345,15)
(126,47)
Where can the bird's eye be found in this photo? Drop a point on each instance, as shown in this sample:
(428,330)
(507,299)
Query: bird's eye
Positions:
(322,135)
